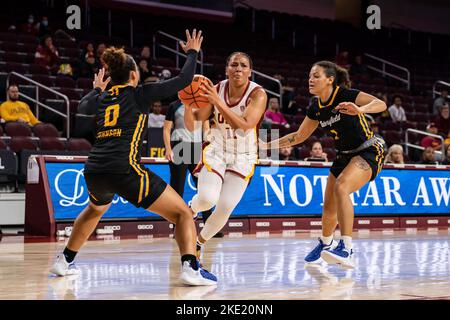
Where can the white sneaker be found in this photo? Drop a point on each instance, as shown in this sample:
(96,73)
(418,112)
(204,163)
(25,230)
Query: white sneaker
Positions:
(199,277)
(62,268)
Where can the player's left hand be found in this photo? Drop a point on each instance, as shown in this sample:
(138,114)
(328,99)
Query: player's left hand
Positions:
(348,108)
(210,93)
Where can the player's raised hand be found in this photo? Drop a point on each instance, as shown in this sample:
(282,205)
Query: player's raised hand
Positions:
(348,108)
(194,42)
(98,80)
(208,90)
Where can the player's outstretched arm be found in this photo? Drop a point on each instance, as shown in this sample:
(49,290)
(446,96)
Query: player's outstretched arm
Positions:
(151,92)
(306,129)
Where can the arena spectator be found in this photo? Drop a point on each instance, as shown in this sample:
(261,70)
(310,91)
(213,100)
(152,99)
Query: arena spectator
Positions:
(287,154)
(429,141)
(396,110)
(15,110)
(31,27)
(440,101)
(146,55)
(273,114)
(44,28)
(145,72)
(428,156)
(358,67)
(443,120)
(156,119)
(395,154)
(385,115)
(447,156)
(46,54)
(316,153)
(100,49)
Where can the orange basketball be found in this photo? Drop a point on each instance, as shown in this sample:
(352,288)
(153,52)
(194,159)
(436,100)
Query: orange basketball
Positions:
(191,94)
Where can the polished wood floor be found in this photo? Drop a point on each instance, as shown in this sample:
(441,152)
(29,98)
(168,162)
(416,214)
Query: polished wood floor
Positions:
(392,264)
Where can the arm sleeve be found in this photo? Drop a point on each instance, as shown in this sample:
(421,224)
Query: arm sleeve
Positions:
(33,119)
(150,92)
(312,110)
(89,103)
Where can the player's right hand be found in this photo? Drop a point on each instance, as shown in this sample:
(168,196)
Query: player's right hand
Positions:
(98,80)
(194,42)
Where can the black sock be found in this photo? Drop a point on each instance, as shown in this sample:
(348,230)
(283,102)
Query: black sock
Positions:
(192,260)
(69,254)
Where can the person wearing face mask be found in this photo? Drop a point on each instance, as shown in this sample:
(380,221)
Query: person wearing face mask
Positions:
(44,28)
(340,110)
(30,27)
(113,166)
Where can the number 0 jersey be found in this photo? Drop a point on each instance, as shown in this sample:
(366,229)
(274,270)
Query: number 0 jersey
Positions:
(121,123)
(349,132)
(222,134)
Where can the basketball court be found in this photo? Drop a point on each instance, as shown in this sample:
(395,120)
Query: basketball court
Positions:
(391,264)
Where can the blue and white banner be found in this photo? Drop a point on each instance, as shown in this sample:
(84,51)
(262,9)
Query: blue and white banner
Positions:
(277,191)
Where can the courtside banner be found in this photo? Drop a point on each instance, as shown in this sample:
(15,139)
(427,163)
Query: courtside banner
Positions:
(284,190)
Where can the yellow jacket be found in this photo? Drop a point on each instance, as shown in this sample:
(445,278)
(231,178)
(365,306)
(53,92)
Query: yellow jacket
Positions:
(15,110)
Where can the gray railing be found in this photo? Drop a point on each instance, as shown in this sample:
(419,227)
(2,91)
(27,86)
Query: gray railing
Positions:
(40,104)
(441,83)
(280,86)
(384,63)
(424,133)
(178,51)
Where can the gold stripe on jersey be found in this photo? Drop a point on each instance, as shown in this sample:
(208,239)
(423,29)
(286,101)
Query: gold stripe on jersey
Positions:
(367,125)
(360,115)
(379,157)
(332,98)
(133,152)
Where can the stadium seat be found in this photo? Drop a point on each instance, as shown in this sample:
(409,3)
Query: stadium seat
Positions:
(64,81)
(84,83)
(17,129)
(18,144)
(52,144)
(76,144)
(331,153)
(303,152)
(45,130)
(3,145)
(43,79)
(392,136)
(327,142)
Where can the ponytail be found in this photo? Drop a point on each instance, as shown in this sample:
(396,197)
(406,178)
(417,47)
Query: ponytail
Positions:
(119,64)
(341,76)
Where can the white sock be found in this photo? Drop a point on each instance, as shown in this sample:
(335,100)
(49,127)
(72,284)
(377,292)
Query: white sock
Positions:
(347,242)
(199,243)
(327,240)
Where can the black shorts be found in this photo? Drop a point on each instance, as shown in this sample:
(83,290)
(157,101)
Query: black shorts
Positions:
(141,187)
(374,156)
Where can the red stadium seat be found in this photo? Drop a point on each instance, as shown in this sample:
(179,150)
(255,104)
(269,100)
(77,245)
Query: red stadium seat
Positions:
(327,142)
(75,144)
(392,136)
(3,145)
(17,129)
(45,130)
(303,152)
(18,144)
(84,83)
(64,81)
(43,79)
(52,144)
(331,153)
(38,69)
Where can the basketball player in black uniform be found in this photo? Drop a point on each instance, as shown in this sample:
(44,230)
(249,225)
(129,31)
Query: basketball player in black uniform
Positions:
(340,111)
(113,166)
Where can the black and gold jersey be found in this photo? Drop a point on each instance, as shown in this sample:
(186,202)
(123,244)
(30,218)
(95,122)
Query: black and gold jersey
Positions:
(121,115)
(349,132)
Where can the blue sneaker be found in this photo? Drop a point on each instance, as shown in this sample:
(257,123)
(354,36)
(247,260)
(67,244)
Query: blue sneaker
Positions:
(339,255)
(314,255)
(199,277)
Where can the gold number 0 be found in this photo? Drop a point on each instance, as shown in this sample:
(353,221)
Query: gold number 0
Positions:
(111,115)
(336,137)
